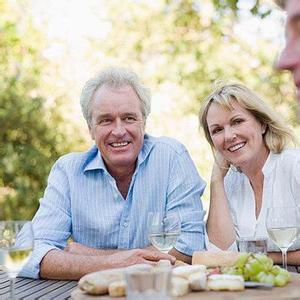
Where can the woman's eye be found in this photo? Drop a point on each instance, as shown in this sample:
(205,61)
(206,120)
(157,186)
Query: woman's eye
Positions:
(237,121)
(216,130)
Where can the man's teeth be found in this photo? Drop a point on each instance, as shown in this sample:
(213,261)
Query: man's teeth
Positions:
(236,147)
(120,144)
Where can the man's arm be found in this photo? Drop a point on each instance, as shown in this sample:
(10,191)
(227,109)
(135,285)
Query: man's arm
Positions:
(181,256)
(184,193)
(76,248)
(293,257)
(59,264)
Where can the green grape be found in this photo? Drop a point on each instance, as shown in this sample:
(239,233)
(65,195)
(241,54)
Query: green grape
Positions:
(243,258)
(285,273)
(260,276)
(266,278)
(281,280)
(253,267)
(267,262)
(275,270)
(239,271)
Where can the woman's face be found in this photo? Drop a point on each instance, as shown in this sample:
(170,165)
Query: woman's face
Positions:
(236,135)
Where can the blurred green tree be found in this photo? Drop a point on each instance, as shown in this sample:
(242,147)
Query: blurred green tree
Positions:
(182,47)
(192,44)
(31,131)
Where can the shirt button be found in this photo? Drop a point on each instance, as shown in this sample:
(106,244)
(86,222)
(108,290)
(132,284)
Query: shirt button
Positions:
(125,224)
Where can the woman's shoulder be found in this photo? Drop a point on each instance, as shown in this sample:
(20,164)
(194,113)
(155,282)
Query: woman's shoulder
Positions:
(288,156)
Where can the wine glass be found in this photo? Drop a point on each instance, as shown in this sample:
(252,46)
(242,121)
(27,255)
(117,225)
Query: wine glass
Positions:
(16,244)
(282,227)
(163,230)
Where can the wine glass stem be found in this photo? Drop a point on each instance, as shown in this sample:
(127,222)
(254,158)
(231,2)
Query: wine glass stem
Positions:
(284,258)
(12,288)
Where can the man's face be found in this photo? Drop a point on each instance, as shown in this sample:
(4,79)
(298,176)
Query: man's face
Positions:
(117,126)
(290,56)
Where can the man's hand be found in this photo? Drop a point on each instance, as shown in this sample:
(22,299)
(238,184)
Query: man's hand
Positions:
(139,256)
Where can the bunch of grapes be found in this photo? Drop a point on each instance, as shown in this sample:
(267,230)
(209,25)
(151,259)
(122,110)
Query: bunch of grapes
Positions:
(259,268)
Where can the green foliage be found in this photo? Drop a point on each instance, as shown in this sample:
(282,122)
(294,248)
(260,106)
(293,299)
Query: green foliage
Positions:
(186,46)
(30,140)
(192,47)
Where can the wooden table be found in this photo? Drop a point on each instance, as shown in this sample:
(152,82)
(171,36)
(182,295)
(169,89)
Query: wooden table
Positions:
(57,289)
(37,289)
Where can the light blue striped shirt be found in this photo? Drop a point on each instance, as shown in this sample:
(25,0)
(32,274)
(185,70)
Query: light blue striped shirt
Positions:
(82,201)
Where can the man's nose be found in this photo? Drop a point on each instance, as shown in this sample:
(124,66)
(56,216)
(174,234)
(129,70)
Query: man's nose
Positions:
(118,128)
(288,58)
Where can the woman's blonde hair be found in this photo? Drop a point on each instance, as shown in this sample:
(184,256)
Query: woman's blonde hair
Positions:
(277,134)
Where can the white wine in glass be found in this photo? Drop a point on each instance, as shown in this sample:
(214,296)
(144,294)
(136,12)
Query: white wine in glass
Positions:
(282,226)
(16,245)
(163,230)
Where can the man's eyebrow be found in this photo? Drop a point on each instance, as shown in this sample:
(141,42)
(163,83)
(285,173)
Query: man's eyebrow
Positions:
(103,116)
(129,114)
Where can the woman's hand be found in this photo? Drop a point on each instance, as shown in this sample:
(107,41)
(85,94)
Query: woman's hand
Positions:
(220,167)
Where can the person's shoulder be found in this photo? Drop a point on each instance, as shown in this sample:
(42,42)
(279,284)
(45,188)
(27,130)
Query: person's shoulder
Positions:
(288,156)
(77,159)
(167,144)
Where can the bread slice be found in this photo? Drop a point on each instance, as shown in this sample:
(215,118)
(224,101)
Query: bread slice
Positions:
(215,259)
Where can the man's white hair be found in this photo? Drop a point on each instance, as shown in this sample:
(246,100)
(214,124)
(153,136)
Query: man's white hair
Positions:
(114,77)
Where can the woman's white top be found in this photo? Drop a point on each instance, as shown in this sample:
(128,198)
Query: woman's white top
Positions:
(281,188)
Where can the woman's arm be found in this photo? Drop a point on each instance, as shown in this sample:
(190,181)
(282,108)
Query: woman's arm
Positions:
(219,226)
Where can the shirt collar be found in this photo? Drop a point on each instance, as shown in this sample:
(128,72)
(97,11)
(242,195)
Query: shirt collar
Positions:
(96,162)
(146,149)
(270,163)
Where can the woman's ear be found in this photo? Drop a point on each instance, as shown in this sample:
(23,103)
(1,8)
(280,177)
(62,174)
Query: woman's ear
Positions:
(263,128)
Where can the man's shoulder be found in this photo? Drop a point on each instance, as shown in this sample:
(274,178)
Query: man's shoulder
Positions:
(77,159)
(167,144)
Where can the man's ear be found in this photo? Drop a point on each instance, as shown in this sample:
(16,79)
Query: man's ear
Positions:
(92,133)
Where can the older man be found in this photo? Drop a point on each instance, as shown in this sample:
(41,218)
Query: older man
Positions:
(101,198)
(290,56)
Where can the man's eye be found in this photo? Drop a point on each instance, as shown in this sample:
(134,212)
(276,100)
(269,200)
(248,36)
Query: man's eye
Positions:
(104,122)
(130,119)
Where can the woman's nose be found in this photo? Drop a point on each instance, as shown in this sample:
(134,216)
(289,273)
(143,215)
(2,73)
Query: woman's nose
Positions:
(229,134)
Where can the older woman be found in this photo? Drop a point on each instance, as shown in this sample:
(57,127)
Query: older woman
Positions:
(253,168)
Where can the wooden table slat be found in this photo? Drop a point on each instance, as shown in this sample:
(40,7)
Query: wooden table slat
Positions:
(62,292)
(44,291)
(32,290)
(18,285)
